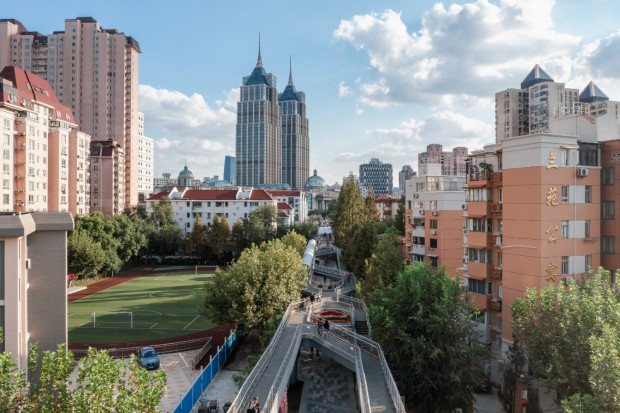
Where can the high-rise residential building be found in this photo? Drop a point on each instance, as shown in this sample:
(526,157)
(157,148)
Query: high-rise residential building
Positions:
(107,175)
(258,146)
(145,162)
(230,169)
(33,282)
(295,138)
(540,202)
(405,174)
(452,163)
(94,71)
(434,217)
(44,158)
(377,176)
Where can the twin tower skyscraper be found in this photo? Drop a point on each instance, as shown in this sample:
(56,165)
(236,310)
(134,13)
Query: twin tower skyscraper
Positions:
(272,141)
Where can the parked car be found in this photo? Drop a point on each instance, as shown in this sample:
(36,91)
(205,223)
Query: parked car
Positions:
(148,358)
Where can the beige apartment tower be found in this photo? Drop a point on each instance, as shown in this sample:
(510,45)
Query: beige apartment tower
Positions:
(94,71)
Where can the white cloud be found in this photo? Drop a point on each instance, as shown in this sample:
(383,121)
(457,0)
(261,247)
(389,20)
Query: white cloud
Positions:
(401,145)
(473,49)
(343,90)
(187,130)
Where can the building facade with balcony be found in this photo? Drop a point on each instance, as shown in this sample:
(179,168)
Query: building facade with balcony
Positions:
(107,175)
(94,72)
(434,218)
(40,148)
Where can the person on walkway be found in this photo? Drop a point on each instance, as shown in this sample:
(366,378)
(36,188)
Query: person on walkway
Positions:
(326,325)
(319,327)
(257,408)
(312,298)
(253,404)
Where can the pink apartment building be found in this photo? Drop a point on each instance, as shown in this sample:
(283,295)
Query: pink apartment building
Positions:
(94,72)
(44,162)
(434,218)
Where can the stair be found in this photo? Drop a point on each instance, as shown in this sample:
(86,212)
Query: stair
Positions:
(361,327)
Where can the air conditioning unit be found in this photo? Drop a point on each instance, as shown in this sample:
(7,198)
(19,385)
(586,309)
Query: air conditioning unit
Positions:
(567,280)
(433,232)
(464,206)
(435,213)
(421,212)
(416,195)
(582,172)
(465,260)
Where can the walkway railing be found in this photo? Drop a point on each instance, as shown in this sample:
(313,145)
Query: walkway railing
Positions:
(358,305)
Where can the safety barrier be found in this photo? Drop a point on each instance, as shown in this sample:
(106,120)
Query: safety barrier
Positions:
(187,402)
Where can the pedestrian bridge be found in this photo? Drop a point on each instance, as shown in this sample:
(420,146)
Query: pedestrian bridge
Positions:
(276,369)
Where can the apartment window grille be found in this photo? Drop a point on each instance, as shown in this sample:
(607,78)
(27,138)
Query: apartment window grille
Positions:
(588,194)
(608,209)
(564,229)
(565,193)
(608,244)
(564,265)
(609,175)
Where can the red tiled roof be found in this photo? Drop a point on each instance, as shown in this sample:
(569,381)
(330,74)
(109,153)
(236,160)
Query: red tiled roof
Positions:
(260,195)
(283,193)
(158,196)
(283,206)
(39,91)
(283,215)
(210,195)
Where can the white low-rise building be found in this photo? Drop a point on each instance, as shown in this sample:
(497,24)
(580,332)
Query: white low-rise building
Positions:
(232,204)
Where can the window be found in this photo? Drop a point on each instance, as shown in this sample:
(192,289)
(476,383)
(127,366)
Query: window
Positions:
(563,157)
(478,286)
(479,255)
(564,265)
(608,245)
(588,194)
(433,223)
(564,229)
(434,262)
(564,193)
(588,262)
(609,175)
(433,243)
(588,154)
(586,229)
(479,225)
(5,199)
(608,209)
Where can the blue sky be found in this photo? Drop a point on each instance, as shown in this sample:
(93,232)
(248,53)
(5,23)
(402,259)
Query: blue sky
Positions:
(382,79)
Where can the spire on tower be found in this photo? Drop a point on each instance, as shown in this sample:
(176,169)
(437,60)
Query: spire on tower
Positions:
(290,70)
(259,62)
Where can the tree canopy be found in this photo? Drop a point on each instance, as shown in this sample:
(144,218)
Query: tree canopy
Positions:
(257,286)
(384,264)
(423,322)
(103,384)
(572,338)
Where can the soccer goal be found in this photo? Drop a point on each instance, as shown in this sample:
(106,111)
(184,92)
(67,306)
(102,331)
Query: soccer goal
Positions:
(112,318)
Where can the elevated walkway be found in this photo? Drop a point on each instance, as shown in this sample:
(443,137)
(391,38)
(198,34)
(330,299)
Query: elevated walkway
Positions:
(331,285)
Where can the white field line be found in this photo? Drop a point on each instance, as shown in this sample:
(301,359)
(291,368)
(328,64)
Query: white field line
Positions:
(153,326)
(184,362)
(190,323)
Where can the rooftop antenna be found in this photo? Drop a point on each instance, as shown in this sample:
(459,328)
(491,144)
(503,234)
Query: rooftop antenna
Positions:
(259,62)
(290,70)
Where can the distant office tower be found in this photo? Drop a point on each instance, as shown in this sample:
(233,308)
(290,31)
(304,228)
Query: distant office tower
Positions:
(404,174)
(44,158)
(94,72)
(230,169)
(453,163)
(258,135)
(145,162)
(295,139)
(377,176)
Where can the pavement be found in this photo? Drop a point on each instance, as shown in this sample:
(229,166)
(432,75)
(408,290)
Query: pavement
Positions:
(487,403)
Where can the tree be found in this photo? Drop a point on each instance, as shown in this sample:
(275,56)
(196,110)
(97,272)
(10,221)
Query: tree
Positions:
(350,211)
(197,243)
(103,384)
(85,257)
(261,224)
(218,239)
(306,228)
(358,247)
(238,241)
(296,241)
(129,231)
(258,286)
(384,264)
(424,324)
(101,230)
(163,234)
(568,333)
(399,221)
(370,208)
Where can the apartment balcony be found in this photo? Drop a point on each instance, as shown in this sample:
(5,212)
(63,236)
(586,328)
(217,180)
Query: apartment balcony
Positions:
(494,303)
(419,232)
(496,273)
(418,249)
(480,239)
(478,209)
(496,209)
(480,269)
(20,146)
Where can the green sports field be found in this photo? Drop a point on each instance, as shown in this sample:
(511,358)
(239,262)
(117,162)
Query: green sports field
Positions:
(146,308)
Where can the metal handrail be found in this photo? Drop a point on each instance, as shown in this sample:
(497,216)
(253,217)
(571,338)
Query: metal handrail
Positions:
(359,305)
(362,385)
(286,366)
